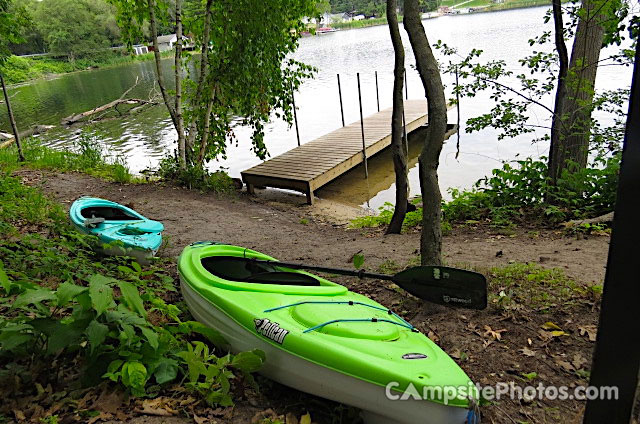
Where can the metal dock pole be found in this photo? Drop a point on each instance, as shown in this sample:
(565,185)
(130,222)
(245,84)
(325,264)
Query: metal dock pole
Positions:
(295,115)
(377,95)
(364,147)
(340,95)
(406,86)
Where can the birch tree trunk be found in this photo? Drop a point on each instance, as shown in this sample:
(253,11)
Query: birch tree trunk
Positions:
(182,155)
(204,62)
(398,150)
(427,65)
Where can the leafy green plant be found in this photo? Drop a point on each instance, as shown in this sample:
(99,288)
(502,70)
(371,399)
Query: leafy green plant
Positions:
(194,177)
(103,318)
(411,220)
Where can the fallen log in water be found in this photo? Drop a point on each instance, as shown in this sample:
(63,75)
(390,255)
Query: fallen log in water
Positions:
(73,119)
(34,130)
(104,109)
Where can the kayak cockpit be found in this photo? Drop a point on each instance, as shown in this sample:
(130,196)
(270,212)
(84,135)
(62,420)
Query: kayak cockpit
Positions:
(108,213)
(249,271)
(228,267)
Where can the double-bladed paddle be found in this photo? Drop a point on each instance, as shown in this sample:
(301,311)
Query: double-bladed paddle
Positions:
(436,284)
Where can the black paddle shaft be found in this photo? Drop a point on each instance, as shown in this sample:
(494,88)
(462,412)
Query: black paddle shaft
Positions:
(350,272)
(436,284)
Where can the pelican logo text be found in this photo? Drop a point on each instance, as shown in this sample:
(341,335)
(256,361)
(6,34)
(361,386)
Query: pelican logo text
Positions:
(449,299)
(270,330)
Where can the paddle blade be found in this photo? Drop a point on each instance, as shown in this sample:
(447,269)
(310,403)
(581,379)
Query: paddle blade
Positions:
(445,286)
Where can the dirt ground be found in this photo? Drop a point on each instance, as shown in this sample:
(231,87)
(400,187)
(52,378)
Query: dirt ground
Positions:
(494,345)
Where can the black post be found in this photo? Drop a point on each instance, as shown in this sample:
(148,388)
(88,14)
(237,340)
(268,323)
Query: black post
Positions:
(364,147)
(377,95)
(458,108)
(12,120)
(404,132)
(295,114)
(617,353)
(406,86)
(340,95)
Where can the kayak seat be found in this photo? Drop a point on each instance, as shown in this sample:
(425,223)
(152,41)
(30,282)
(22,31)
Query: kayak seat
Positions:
(108,213)
(244,270)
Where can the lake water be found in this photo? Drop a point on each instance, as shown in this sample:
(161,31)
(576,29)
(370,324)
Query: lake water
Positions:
(144,138)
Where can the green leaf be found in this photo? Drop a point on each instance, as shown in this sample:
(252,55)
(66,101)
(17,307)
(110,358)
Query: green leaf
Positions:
(247,362)
(59,335)
(125,269)
(132,297)
(115,365)
(213,335)
(67,291)
(11,340)
(151,336)
(136,266)
(33,297)
(4,279)
(358,260)
(101,293)
(96,333)
(134,376)
(166,370)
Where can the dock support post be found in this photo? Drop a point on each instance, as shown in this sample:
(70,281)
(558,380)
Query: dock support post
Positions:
(295,115)
(251,189)
(309,194)
(377,95)
(340,95)
(364,146)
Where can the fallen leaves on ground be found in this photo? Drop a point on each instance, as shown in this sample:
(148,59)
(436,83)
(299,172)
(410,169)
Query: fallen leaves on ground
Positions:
(160,406)
(495,334)
(590,331)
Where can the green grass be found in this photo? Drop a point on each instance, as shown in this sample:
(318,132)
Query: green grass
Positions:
(86,157)
(363,23)
(23,69)
(518,285)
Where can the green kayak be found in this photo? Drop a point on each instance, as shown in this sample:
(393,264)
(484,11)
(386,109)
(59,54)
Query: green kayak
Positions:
(322,339)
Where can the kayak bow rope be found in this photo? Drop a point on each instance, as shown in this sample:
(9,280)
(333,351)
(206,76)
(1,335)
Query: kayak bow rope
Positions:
(436,284)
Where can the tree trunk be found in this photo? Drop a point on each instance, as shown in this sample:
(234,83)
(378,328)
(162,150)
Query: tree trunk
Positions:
(204,52)
(572,144)
(205,129)
(427,65)
(14,127)
(182,156)
(397,145)
(563,59)
(156,53)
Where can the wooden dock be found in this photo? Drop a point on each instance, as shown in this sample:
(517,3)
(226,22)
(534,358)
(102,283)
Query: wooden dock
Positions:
(312,165)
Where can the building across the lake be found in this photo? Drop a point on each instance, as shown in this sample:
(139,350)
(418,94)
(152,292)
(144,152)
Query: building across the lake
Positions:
(167,42)
(140,49)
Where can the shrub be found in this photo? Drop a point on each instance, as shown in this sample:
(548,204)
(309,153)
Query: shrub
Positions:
(522,193)
(195,177)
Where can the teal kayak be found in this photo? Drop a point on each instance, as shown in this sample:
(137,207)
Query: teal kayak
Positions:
(123,230)
(323,339)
